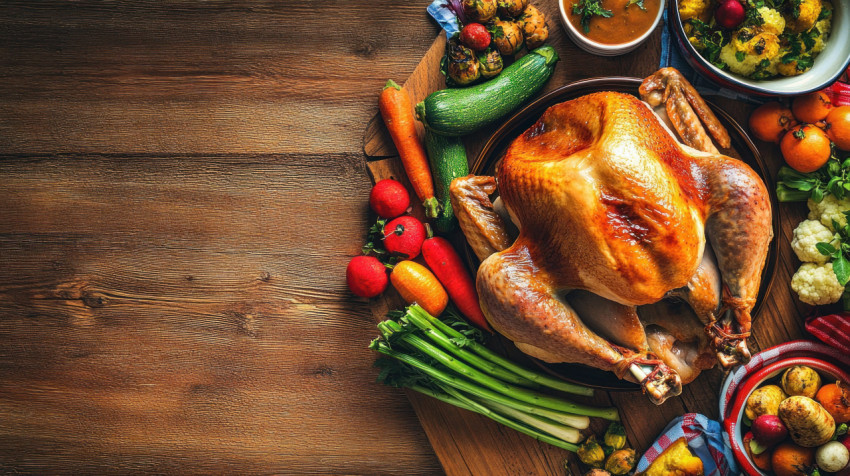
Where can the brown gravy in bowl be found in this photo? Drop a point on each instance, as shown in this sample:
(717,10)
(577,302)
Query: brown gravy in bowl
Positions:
(625,24)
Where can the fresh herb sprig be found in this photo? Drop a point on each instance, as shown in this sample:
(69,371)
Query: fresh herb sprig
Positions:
(587,9)
(839,250)
(639,3)
(833,178)
(709,41)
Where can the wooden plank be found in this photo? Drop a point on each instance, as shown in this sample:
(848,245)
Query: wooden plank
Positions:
(163,315)
(185,77)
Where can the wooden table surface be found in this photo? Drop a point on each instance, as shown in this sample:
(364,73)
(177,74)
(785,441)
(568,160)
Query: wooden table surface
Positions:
(181,186)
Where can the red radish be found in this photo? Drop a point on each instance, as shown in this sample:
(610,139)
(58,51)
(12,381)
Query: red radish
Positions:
(729,14)
(404,235)
(444,261)
(845,441)
(475,36)
(768,430)
(366,276)
(389,198)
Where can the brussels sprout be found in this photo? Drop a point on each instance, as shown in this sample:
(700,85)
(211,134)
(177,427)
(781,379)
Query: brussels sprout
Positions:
(533,25)
(764,401)
(590,453)
(463,67)
(480,11)
(511,8)
(621,461)
(490,63)
(507,36)
(615,436)
(800,380)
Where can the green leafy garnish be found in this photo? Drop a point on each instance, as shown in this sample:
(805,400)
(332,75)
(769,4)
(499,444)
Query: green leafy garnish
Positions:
(833,179)
(838,253)
(710,41)
(740,55)
(587,9)
(639,3)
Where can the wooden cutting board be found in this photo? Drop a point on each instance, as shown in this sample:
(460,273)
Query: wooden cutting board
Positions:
(467,443)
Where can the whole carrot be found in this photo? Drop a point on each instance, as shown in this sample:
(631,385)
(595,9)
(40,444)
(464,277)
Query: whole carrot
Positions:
(397,112)
(442,258)
(417,285)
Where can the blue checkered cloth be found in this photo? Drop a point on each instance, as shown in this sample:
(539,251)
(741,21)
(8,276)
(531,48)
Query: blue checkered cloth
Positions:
(440,11)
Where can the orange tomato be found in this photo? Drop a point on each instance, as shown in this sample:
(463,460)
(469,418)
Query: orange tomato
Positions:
(416,284)
(835,398)
(789,459)
(838,127)
(812,107)
(805,148)
(770,120)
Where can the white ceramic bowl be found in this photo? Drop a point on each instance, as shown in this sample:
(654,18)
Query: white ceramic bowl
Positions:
(828,66)
(603,49)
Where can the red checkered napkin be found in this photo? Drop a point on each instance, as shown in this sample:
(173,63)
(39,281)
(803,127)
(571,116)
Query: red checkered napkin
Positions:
(833,330)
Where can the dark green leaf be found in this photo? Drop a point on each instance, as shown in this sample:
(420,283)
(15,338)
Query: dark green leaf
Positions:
(842,269)
(817,195)
(825,249)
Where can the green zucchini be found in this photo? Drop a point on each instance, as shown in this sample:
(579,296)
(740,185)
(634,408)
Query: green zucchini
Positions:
(447,157)
(461,111)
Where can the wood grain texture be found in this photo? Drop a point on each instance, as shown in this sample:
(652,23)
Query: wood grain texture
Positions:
(182,186)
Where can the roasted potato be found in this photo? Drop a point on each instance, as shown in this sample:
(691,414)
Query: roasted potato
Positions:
(507,36)
(764,401)
(533,25)
(809,424)
(480,11)
(511,8)
(800,380)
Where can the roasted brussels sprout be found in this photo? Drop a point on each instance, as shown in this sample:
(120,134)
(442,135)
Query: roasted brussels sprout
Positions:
(615,436)
(463,67)
(511,8)
(480,11)
(533,25)
(590,453)
(490,63)
(621,461)
(507,36)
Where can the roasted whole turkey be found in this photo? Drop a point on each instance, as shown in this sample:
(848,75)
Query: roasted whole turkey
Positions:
(615,216)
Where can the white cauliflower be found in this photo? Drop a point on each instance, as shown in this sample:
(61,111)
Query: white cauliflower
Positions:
(816,284)
(774,22)
(806,236)
(830,208)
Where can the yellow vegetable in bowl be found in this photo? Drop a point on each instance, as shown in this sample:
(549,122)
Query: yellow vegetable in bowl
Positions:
(809,424)
(764,401)
(800,380)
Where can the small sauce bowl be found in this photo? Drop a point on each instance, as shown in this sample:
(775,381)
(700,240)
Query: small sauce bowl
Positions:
(604,49)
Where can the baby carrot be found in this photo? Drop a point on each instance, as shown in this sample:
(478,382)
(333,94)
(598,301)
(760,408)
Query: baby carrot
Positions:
(397,112)
(417,285)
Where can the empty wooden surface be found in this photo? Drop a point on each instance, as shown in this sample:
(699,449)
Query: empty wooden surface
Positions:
(181,186)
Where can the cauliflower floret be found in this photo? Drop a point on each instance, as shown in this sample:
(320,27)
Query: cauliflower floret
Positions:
(824,26)
(774,22)
(806,237)
(830,208)
(816,284)
(752,50)
(805,15)
(693,9)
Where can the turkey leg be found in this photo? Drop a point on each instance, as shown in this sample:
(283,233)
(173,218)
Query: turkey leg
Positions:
(519,301)
(739,230)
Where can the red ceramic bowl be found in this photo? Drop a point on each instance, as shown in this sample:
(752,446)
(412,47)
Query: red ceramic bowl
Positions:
(732,424)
